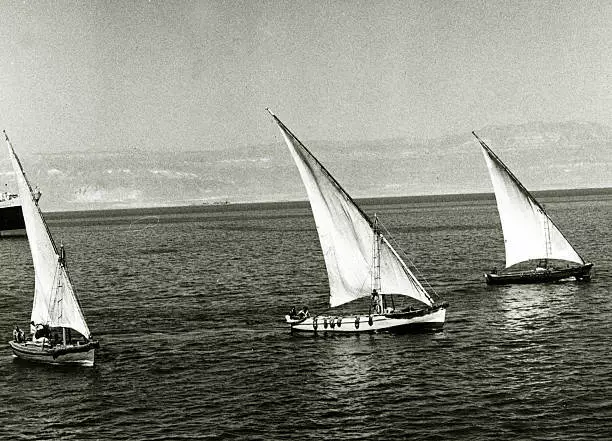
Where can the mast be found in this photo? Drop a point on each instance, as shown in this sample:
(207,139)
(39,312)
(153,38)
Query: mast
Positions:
(377,297)
(62,263)
(531,198)
(376,257)
(547,238)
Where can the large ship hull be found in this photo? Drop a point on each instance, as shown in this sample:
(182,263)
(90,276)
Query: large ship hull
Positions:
(11,220)
(412,321)
(579,273)
(70,354)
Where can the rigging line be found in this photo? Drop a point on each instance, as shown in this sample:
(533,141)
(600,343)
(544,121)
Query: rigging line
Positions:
(365,280)
(74,292)
(397,246)
(54,292)
(547,238)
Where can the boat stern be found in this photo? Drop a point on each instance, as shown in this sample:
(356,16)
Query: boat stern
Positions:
(489,278)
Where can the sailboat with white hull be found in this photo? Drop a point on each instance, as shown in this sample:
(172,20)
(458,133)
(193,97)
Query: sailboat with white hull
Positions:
(60,334)
(531,238)
(360,260)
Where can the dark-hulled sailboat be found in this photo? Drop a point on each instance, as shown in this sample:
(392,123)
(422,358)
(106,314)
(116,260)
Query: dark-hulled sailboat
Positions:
(360,260)
(60,334)
(532,240)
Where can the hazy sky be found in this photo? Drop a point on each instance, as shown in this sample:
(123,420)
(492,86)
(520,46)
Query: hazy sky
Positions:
(111,75)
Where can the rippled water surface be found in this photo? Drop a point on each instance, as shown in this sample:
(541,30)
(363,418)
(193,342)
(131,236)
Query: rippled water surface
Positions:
(188,305)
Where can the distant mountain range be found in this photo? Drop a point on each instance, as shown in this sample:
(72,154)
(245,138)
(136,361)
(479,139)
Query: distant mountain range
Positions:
(542,155)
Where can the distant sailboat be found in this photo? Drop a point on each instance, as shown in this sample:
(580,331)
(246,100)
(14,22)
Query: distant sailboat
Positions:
(529,233)
(360,260)
(59,332)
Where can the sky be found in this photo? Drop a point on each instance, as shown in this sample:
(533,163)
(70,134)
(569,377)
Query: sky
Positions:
(156,77)
(196,76)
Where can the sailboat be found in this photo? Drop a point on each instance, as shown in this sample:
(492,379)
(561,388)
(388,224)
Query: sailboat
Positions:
(59,332)
(536,250)
(360,260)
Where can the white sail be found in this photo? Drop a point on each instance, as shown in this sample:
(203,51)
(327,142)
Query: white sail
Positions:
(396,277)
(346,236)
(55,303)
(529,234)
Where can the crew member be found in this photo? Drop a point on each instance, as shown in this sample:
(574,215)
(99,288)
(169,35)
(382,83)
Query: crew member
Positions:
(17,334)
(304,312)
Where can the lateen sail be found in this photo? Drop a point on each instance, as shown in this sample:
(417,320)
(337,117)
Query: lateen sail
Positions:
(529,234)
(346,236)
(55,303)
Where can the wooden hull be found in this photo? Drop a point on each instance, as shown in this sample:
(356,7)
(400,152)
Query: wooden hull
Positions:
(419,320)
(580,273)
(32,351)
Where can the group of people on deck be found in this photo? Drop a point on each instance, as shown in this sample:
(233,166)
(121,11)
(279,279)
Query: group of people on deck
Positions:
(302,314)
(37,332)
(40,334)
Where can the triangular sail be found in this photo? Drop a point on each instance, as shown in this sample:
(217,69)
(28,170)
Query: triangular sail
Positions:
(346,235)
(396,277)
(529,234)
(55,303)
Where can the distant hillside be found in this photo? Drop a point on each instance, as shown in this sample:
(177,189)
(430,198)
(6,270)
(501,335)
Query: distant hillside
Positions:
(542,155)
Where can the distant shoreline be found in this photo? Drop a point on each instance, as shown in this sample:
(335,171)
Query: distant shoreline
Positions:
(242,206)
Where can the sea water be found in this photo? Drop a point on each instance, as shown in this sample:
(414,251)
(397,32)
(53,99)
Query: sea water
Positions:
(188,307)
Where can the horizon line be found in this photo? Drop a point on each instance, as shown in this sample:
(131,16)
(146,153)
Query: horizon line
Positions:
(441,197)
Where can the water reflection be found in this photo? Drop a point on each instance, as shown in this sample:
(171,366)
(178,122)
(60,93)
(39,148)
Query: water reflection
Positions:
(348,361)
(530,307)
